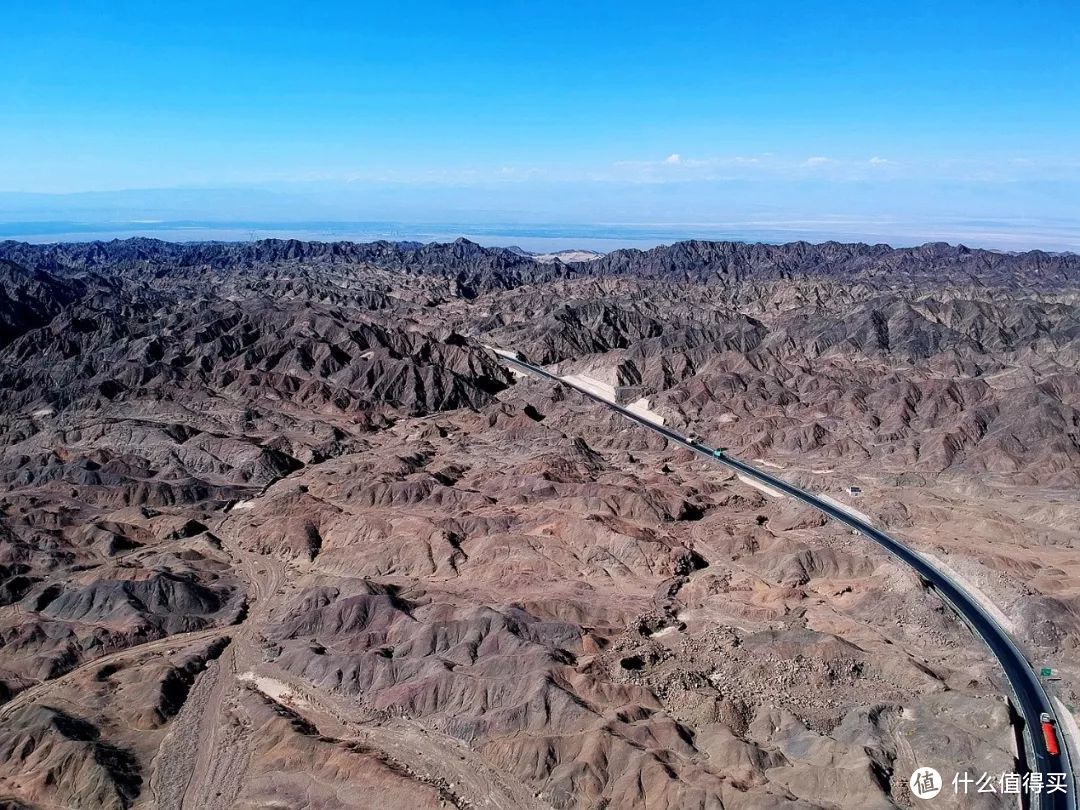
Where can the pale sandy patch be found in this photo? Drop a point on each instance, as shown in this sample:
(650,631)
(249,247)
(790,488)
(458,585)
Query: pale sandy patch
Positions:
(670,630)
(772,493)
(843,507)
(568,256)
(274,689)
(985,602)
(503,352)
(593,386)
(1068,729)
(641,408)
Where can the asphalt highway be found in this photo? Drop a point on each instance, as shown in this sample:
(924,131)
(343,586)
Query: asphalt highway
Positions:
(1028,695)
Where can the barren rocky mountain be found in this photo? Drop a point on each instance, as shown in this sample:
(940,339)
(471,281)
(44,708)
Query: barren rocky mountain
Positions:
(276,530)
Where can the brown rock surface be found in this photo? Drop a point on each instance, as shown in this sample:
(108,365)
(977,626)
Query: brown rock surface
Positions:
(276,530)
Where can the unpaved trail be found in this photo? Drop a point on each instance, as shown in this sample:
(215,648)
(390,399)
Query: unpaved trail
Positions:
(212,732)
(428,757)
(166,646)
(201,762)
(224,749)
(209,771)
(180,751)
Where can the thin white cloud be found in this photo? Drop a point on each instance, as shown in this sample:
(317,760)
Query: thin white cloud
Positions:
(677,167)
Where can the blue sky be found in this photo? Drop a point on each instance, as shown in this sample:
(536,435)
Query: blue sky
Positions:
(973,104)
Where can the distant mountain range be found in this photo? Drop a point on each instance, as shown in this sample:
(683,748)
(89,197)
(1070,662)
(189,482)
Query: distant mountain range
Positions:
(484,268)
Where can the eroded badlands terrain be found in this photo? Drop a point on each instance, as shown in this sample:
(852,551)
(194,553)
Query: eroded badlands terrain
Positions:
(276,530)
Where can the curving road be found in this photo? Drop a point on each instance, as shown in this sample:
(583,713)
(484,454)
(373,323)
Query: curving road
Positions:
(1028,694)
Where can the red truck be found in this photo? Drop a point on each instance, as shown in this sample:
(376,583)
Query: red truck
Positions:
(1049,731)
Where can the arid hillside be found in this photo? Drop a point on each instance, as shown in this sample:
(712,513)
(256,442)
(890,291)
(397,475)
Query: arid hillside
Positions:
(276,530)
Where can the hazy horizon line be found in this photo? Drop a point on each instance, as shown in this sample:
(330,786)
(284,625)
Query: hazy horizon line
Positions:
(538,238)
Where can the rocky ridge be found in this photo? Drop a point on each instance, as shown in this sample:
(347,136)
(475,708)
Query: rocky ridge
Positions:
(274,523)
